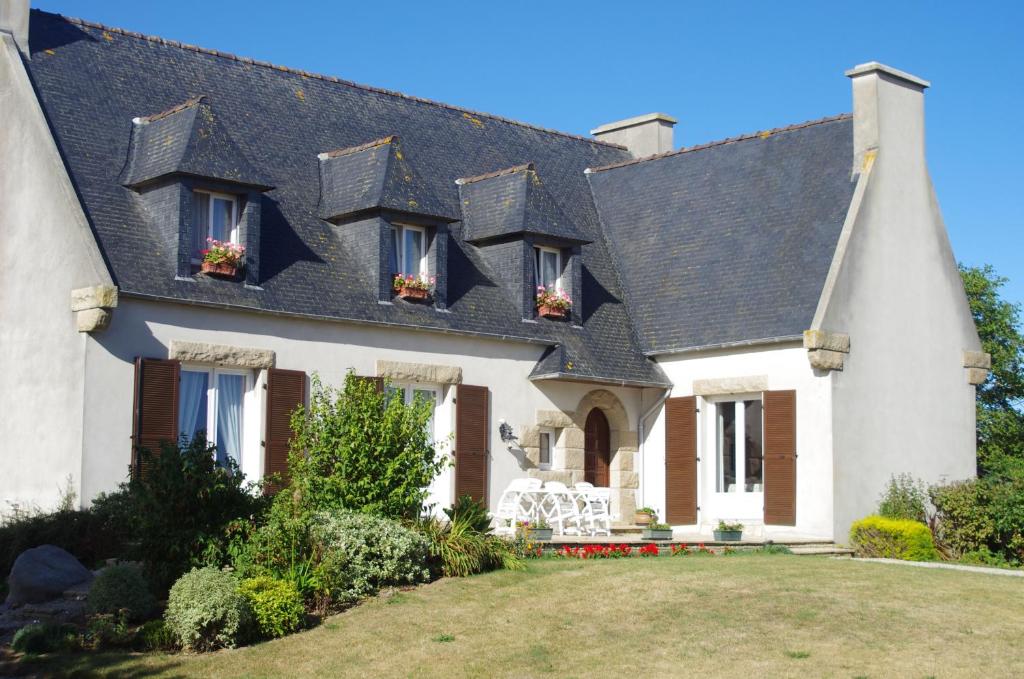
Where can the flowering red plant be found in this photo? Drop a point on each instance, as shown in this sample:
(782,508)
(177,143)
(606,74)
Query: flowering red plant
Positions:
(410,282)
(680,550)
(553,298)
(650,549)
(223,252)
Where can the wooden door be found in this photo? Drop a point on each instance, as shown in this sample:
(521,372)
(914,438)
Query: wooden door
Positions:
(681,461)
(472,410)
(597,449)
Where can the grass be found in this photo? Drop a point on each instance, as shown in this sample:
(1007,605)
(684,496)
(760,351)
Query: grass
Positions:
(755,616)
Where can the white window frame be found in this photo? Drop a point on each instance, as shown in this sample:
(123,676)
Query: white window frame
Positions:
(209,215)
(409,390)
(739,452)
(398,239)
(539,250)
(211,403)
(550,433)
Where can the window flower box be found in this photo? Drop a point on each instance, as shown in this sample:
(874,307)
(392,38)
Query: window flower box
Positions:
(538,531)
(729,532)
(413,288)
(552,303)
(222,258)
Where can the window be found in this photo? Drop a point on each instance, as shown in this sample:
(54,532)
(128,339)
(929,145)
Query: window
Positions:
(212,400)
(544,458)
(409,393)
(216,217)
(548,267)
(739,442)
(408,250)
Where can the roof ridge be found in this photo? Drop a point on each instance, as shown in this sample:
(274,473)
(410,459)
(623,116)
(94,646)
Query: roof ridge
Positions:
(763,134)
(496,173)
(188,103)
(336,153)
(327,78)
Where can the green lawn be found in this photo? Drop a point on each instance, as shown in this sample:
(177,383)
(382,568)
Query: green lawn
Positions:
(741,616)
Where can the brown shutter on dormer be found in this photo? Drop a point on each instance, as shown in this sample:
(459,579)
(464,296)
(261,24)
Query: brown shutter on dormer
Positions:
(472,423)
(155,411)
(681,461)
(286,391)
(780,458)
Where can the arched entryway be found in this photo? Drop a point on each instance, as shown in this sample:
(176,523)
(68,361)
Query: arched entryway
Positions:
(597,449)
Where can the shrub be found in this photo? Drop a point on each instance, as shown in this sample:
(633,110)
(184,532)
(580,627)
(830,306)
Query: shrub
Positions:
(276,605)
(904,498)
(983,517)
(121,587)
(458,550)
(155,635)
(205,611)
(360,449)
(877,536)
(109,630)
(474,513)
(45,637)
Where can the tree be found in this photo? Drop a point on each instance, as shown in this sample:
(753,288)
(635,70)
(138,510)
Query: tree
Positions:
(359,448)
(1000,399)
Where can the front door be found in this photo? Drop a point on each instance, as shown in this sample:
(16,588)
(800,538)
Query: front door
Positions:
(596,449)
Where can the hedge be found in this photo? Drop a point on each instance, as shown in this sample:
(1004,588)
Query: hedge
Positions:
(877,536)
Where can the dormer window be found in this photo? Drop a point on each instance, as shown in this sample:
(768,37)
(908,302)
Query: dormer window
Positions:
(409,250)
(216,217)
(548,267)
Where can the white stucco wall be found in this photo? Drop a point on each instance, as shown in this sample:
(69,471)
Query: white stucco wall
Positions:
(785,367)
(902,403)
(146,328)
(46,250)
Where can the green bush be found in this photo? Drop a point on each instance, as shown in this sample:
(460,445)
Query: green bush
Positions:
(457,550)
(155,635)
(205,611)
(121,587)
(472,512)
(109,630)
(276,605)
(904,498)
(45,637)
(360,449)
(877,536)
(982,517)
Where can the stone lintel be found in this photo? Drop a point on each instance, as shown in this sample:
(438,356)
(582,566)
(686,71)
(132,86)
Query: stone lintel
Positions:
(221,354)
(94,297)
(91,320)
(977,359)
(555,419)
(977,376)
(730,385)
(823,359)
(424,373)
(830,341)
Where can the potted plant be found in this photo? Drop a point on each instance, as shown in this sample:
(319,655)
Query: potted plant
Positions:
(539,530)
(222,258)
(413,288)
(658,531)
(644,516)
(553,303)
(729,532)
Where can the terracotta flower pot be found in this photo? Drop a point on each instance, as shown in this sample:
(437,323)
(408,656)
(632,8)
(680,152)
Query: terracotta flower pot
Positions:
(414,294)
(222,270)
(642,518)
(551,312)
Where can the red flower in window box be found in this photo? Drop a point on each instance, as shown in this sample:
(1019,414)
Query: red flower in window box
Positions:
(222,258)
(412,288)
(554,304)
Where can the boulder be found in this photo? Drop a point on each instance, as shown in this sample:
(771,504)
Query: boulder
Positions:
(44,573)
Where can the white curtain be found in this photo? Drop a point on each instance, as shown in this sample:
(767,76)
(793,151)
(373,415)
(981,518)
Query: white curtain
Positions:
(230,392)
(201,228)
(192,403)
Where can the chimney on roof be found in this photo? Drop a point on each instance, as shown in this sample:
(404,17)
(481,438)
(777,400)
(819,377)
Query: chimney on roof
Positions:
(888,114)
(14,20)
(644,135)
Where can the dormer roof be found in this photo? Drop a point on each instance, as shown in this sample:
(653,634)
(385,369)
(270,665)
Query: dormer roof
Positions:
(512,202)
(375,175)
(188,139)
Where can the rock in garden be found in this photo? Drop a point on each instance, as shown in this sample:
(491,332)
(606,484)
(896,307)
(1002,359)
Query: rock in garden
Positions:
(44,573)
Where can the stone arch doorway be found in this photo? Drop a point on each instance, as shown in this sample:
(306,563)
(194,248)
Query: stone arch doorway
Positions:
(597,449)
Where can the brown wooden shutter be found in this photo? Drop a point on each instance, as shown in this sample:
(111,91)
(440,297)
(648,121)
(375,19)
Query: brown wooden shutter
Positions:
(681,460)
(286,391)
(155,411)
(378,382)
(780,458)
(472,425)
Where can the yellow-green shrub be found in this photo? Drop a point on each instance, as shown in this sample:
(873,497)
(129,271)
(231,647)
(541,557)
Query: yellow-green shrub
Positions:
(877,536)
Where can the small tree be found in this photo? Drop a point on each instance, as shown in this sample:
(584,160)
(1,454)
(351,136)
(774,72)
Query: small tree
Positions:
(359,448)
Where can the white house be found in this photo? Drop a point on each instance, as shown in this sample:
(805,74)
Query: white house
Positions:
(762,329)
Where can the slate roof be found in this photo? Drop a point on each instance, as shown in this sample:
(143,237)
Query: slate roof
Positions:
(187,139)
(92,81)
(376,175)
(728,242)
(511,202)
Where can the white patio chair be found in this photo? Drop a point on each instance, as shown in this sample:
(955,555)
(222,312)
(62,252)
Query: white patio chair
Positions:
(596,515)
(517,503)
(561,508)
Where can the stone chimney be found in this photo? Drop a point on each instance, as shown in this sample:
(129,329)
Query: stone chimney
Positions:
(888,114)
(14,20)
(644,135)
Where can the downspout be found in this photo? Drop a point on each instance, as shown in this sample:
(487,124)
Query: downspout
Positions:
(642,438)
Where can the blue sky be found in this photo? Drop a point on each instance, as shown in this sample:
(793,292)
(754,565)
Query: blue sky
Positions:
(721,68)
